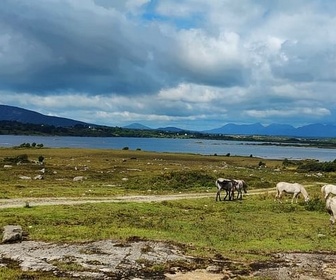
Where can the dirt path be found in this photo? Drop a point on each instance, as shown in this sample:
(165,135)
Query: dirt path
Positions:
(21,202)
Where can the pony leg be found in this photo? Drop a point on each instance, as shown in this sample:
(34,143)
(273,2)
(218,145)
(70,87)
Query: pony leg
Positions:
(296,197)
(231,195)
(278,197)
(227,193)
(218,196)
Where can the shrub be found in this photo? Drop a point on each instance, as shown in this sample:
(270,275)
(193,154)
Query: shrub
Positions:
(25,145)
(286,162)
(315,204)
(20,158)
(318,166)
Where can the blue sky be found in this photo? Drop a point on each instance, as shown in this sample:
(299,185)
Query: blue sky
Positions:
(193,64)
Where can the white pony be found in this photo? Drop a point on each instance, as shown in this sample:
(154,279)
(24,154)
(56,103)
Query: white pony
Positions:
(331,208)
(295,189)
(327,190)
(240,187)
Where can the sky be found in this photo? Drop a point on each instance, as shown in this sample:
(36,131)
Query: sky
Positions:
(191,64)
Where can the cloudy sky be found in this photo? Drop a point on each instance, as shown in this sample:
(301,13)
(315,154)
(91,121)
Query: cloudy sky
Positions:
(193,64)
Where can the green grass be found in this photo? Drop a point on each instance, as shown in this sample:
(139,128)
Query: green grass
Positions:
(207,228)
(240,229)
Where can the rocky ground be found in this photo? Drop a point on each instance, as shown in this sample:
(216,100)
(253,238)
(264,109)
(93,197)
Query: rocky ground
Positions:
(145,259)
(141,259)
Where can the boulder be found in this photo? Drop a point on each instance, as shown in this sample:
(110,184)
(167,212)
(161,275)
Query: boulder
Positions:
(25,177)
(78,178)
(38,177)
(12,234)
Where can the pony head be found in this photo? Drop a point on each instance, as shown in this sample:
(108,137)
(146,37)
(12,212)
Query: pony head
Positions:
(244,186)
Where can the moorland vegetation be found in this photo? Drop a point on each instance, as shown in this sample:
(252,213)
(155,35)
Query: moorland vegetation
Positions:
(249,229)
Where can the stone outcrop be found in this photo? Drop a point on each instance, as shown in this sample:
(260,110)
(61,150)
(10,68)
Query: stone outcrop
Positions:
(12,234)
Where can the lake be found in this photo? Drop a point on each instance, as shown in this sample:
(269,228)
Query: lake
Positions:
(194,146)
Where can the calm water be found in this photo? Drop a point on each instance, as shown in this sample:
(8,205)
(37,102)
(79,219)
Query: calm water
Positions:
(195,146)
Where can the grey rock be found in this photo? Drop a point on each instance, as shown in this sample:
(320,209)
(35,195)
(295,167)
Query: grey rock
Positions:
(12,234)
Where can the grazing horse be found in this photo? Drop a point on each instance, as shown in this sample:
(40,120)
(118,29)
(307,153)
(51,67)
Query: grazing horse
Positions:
(240,187)
(225,184)
(295,189)
(327,190)
(331,208)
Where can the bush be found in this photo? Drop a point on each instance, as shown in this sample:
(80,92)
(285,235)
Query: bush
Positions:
(315,204)
(318,166)
(25,145)
(286,162)
(14,160)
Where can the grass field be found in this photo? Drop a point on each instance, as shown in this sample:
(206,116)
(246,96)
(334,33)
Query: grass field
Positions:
(247,229)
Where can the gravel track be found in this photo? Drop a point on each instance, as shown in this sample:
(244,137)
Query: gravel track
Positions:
(45,201)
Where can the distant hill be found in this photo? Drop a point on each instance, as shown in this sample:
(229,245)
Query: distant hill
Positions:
(12,113)
(255,129)
(311,130)
(136,126)
(170,129)
(238,129)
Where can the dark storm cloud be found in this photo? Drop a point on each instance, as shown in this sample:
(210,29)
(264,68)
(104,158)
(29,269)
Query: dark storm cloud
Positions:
(57,46)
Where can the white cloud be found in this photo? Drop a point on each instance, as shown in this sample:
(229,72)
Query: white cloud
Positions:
(288,113)
(201,51)
(181,61)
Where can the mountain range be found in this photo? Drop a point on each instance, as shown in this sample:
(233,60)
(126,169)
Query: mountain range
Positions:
(11,113)
(311,130)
